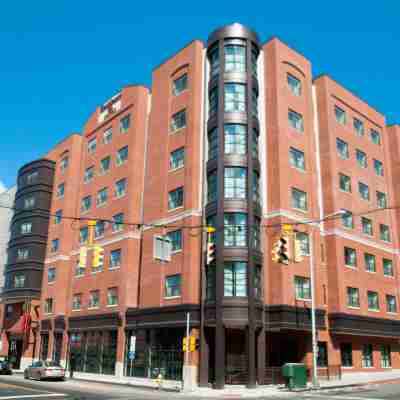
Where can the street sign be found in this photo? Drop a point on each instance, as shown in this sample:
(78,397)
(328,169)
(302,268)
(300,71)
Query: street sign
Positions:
(131,355)
(132,344)
(288,228)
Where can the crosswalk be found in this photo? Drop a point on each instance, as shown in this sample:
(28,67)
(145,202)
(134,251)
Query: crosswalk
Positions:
(9,391)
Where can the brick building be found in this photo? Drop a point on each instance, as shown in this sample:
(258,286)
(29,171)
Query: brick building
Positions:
(238,135)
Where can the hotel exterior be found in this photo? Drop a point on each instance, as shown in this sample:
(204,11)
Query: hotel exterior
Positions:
(234,134)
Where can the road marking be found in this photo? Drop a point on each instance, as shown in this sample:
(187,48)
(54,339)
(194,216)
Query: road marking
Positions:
(33,396)
(10,385)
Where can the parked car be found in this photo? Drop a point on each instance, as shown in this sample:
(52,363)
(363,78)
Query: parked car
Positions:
(5,367)
(44,370)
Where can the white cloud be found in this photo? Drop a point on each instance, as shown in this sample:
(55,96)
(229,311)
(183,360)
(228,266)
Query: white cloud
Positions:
(2,187)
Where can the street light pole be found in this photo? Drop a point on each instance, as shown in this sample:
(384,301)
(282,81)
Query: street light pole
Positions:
(315,381)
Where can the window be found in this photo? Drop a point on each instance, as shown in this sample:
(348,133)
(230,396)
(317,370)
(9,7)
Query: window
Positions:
(112,297)
(29,202)
(370,262)
(178,121)
(381,199)
(363,189)
(342,148)
(375,137)
(361,158)
(340,115)
(89,175)
(102,196)
(347,219)
(19,280)
(83,235)
(391,305)
(76,302)
(255,141)
(125,123)
(48,306)
(120,188)
(294,85)
(378,167)
(122,156)
(79,271)
(299,199)
(235,279)
(173,286)
(256,187)
(258,281)
(346,354)
(254,57)
(367,356)
(235,139)
(212,186)
(373,301)
(296,121)
(99,229)
(175,198)
(51,274)
(115,258)
(366,224)
(296,158)
(118,221)
(32,177)
(358,127)
(210,282)
(55,244)
(60,190)
(91,145)
(107,136)
(350,257)
(304,241)
(322,356)
(86,204)
(386,359)
(162,248)
(213,143)
(105,165)
(235,97)
(26,228)
(179,85)
(235,229)
(94,299)
(302,288)
(384,232)
(214,60)
(353,297)
(254,102)
(177,158)
(23,254)
(64,164)
(256,234)
(58,217)
(213,101)
(387,267)
(345,183)
(235,58)
(235,182)
(175,238)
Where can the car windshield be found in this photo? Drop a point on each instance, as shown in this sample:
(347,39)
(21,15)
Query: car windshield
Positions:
(51,364)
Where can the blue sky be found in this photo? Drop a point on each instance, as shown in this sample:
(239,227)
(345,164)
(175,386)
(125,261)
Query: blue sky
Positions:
(59,59)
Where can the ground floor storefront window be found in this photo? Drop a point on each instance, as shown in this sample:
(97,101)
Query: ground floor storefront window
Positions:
(154,351)
(44,346)
(386,361)
(94,351)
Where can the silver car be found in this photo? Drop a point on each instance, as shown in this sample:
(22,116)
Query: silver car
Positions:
(44,370)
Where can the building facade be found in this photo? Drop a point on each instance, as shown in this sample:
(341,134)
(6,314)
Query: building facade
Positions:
(237,135)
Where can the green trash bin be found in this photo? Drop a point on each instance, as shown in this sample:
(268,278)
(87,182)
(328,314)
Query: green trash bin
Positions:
(295,375)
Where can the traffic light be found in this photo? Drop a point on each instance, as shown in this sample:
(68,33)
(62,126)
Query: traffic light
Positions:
(281,250)
(210,252)
(98,256)
(193,343)
(298,254)
(184,341)
(82,257)
(275,251)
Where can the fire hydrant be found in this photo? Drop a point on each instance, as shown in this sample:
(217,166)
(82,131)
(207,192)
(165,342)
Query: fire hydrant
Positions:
(159,381)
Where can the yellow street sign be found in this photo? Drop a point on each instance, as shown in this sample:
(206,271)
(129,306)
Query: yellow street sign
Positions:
(287,228)
(210,229)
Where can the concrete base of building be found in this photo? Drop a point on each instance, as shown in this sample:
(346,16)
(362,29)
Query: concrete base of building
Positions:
(25,362)
(189,373)
(119,369)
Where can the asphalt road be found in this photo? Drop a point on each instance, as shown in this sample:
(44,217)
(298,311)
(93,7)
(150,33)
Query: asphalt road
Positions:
(15,387)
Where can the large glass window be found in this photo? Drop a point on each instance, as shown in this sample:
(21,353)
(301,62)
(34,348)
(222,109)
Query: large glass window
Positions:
(391,304)
(29,202)
(258,281)
(302,288)
(367,356)
(386,359)
(118,222)
(294,84)
(340,115)
(112,296)
(347,219)
(378,167)
(179,85)
(86,204)
(235,139)
(299,199)
(235,279)
(350,257)
(177,158)
(91,145)
(375,137)
(254,57)
(361,158)
(255,143)
(370,262)
(175,198)
(19,280)
(115,258)
(58,217)
(235,229)
(381,199)
(107,136)
(256,234)
(120,188)
(212,186)
(213,101)
(122,156)
(99,229)
(373,300)
(51,274)
(358,127)
(235,97)
(346,354)
(76,302)
(387,267)
(235,58)
(366,224)
(254,102)
(48,306)
(384,233)
(345,183)
(105,165)
(214,60)
(304,241)
(363,189)
(353,297)
(55,245)
(125,123)
(26,228)
(256,188)
(173,286)
(102,196)
(296,121)
(213,143)
(175,238)
(322,356)
(235,182)
(83,235)
(94,299)
(342,148)
(178,121)
(296,158)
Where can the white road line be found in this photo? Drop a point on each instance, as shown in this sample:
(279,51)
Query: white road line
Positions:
(33,396)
